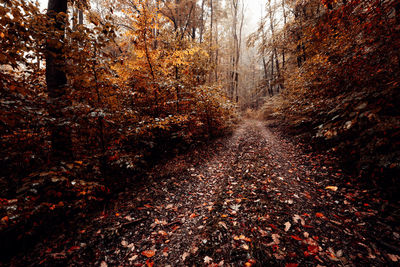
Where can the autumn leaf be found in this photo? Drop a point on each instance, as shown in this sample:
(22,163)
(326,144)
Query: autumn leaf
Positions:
(250,262)
(5,219)
(313,249)
(207,260)
(333,188)
(185,255)
(287,226)
(296,237)
(149,263)
(319,215)
(148,253)
(163,233)
(73,248)
(394,258)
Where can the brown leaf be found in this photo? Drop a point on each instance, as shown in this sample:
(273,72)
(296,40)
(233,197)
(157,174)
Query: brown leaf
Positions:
(185,255)
(287,226)
(207,260)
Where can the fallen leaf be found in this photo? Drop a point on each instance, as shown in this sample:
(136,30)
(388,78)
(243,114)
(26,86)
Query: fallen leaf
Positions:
(74,248)
(275,238)
(333,188)
(245,246)
(242,237)
(287,226)
(319,215)
(149,253)
(103,264)
(394,258)
(185,255)
(223,225)
(313,249)
(165,252)
(250,262)
(296,237)
(124,243)
(134,257)
(207,260)
(163,233)
(149,263)
(5,219)
(297,218)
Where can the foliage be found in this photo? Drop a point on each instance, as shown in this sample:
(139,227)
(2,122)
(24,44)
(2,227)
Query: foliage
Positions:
(133,94)
(344,85)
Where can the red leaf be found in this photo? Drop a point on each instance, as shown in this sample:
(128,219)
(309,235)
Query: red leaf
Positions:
(296,237)
(313,249)
(74,248)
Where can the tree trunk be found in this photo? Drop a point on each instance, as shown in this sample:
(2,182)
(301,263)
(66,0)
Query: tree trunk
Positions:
(56,80)
(80,16)
(211,38)
(216,43)
(202,22)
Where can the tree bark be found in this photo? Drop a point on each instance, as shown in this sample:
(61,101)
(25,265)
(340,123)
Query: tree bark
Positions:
(56,80)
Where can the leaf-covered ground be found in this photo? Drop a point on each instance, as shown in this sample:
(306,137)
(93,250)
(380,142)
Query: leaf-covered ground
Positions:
(253,199)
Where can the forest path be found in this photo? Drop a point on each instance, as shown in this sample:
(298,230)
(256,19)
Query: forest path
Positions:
(253,199)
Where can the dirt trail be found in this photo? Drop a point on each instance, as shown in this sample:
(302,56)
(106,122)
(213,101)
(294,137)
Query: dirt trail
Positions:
(252,199)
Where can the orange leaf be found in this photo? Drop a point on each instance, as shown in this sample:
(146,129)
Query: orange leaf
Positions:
(319,215)
(149,263)
(149,253)
(5,219)
(291,265)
